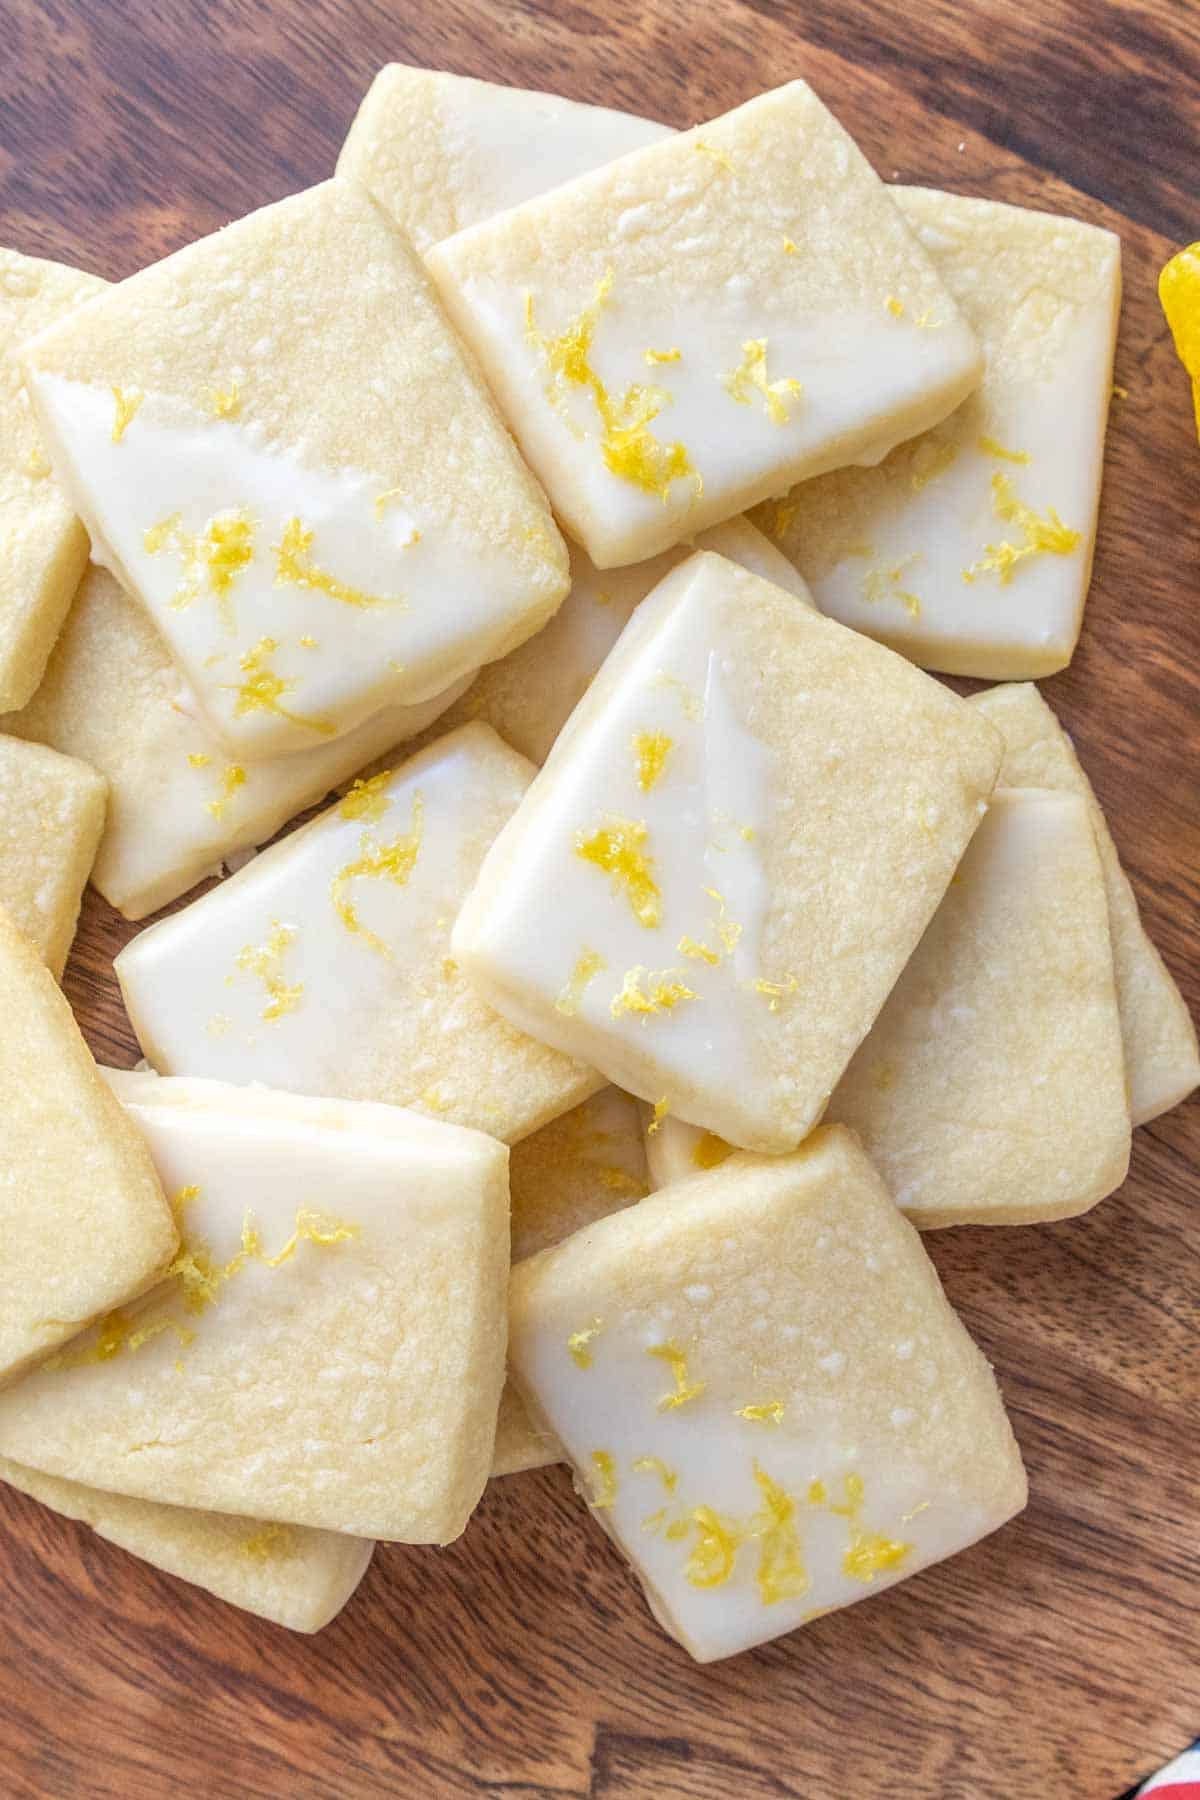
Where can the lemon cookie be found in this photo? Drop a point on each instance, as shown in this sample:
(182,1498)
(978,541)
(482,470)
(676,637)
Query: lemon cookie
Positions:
(278,444)
(179,801)
(970,548)
(290,1574)
(580,1167)
(705,321)
(440,152)
(327,1348)
(44,545)
(325,967)
(745,827)
(991,1089)
(84,1225)
(767,1400)
(1162,1064)
(51,817)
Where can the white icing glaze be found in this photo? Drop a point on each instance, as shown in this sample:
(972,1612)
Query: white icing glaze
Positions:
(438,605)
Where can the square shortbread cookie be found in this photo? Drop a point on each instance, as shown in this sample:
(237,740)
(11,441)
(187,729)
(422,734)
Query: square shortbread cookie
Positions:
(529,695)
(179,803)
(325,966)
(43,547)
(1162,1064)
(729,856)
(580,1167)
(970,548)
(290,1574)
(279,445)
(328,1346)
(84,1225)
(765,1393)
(51,817)
(440,152)
(705,321)
(991,1088)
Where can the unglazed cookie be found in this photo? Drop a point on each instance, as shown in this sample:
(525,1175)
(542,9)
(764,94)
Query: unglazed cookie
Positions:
(580,1167)
(290,1574)
(1162,1064)
(705,321)
(84,1224)
(991,1088)
(529,695)
(765,1395)
(51,817)
(729,856)
(440,152)
(278,444)
(179,802)
(325,966)
(970,548)
(44,547)
(328,1346)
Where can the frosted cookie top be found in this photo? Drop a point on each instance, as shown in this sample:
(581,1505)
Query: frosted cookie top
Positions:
(704,321)
(767,1399)
(324,967)
(179,801)
(45,546)
(970,548)
(440,152)
(729,856)
(1162,1064)
(327,1348)
(290,1574)
(278,444)
(991,1088)
(529,695)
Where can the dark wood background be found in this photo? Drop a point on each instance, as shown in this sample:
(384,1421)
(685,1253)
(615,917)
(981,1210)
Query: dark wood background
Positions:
(1057,1659)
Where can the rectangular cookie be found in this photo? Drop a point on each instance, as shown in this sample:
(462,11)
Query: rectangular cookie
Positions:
(969,548)
(280,447)
(51,816)
(44,544)
(84,1223)
(991,1088)
(745,827)
(1162,1064)
(766,1398)
(709,319)
(179,802)
(290,1574)
(327,1348)
(325,966)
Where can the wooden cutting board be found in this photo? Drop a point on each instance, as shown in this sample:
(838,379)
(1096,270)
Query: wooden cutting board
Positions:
(1057,1659)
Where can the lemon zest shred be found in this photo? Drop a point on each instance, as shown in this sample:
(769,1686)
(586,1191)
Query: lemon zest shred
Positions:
(750,377)
(212,559)
(685,1389)
(661,1109)
(714,1553)
(789,247)
(1039,535)
(718,156)
(651,748)
(775,991)
(663,356)
(884,584)
(604,1490)
(766,1412)
(654,1465)
(295,568)
(225,403)
(578,1344)
(699,952)
(662,992)
(199,759)
(263,689)
(588,964)
(990,447)
(233,777)
(895,306)
(368,798)
(616,848)
(312,1227)
(127,406)
(781,1574)
(869,1553)
(393,862)
(266,962)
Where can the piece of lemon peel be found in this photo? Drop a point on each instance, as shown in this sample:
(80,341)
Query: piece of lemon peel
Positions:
(1179,297)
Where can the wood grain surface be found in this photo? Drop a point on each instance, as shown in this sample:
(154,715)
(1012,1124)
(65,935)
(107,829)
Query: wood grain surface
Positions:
(1057,1659)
